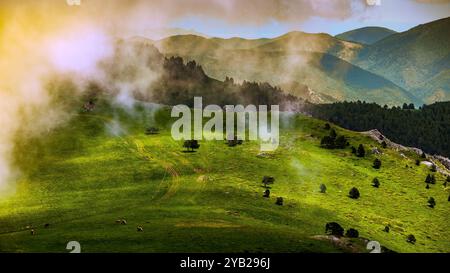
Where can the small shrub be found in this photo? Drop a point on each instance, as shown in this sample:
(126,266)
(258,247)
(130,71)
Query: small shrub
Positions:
(191,145)
(384,144)
(267,180)
(327,126)
(323,188)
(354,193)
(151,131)
(431,202)
(387,229)
(361,151)
(341,142)
(411,239)
(431,179)
(377,163)
(376,183)
(334,228)
(433,168)
(417,162)
(279,201)
(353,150)
(352,233)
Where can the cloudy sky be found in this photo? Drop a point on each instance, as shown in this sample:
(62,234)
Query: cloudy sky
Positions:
(274,18)
(225,18)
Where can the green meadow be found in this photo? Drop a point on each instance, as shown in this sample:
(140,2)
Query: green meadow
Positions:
(101,167)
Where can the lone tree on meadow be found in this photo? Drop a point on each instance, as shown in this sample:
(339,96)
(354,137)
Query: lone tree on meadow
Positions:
(376,183)
(354,193)
(431,202)
(267,180)
(361,151)
(377,164)
(191,145)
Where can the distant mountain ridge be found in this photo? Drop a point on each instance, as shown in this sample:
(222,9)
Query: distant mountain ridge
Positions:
(366,35)
(417,60)
(412,66)
(316,67)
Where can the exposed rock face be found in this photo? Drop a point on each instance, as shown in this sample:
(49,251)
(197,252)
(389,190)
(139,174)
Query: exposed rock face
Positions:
(443,167)
(444,161)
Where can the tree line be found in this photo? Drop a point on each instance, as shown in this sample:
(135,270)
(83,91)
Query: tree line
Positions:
(427,128)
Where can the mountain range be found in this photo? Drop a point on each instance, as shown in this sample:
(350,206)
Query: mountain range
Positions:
(369,64)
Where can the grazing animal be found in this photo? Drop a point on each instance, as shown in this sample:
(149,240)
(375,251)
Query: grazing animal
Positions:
(123,222)
(140,229)
(47,225)
(32,232)
(266,193)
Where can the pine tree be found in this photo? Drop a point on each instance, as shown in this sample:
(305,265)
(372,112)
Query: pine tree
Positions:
(361,151)
(333,134)
(354,193)
(376,183)
(377,163)
(431,202)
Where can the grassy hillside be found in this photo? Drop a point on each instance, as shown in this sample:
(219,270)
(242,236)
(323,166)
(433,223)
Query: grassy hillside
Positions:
(100,167)
(366,35)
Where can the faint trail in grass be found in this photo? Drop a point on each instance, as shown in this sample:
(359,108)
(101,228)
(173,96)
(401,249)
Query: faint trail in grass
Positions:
(173,187)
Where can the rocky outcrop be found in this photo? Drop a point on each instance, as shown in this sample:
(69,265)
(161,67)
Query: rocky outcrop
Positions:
(442,163)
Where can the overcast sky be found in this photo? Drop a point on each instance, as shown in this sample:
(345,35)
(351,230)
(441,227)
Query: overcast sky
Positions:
(398,15)
(223,18)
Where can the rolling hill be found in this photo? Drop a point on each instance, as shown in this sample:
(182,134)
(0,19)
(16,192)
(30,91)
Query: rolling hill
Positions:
(417,60)
(310,66)
(79,179)
(366,35)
